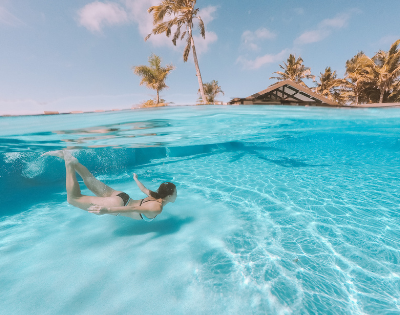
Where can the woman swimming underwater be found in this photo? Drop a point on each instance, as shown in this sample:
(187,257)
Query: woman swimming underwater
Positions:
(108,200)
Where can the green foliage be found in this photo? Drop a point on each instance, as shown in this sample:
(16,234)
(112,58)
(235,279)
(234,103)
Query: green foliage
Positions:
(181,13)
(211,90)
(153,103)
(385,67)
(367,80)
(329,85)
(294,70)
(153,76)
(358,79)
(394,96)
(373,80)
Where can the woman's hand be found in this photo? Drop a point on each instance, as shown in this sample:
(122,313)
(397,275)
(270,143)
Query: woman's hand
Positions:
(99,210)
(140,185)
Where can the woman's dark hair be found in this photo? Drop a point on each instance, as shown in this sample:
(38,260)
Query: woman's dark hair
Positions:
(166,189)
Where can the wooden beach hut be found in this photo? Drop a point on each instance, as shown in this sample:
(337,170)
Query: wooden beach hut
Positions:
(285,92)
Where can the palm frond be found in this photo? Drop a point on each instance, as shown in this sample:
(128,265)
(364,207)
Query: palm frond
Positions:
(394,48)
(170,13)
(202,27)
(183,35)
(187,48)
(176,35)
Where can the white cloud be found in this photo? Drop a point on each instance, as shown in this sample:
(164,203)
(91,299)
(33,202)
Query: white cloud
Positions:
(202,44)
(324,29)
(312,36)
(94,16)
(9,19)
(250,39)
(138,12)
(262,60)
(97,14)
(337,22)
(207,13)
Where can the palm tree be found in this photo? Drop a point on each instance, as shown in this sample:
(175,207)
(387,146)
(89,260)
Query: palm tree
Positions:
(181,14)
(154,76)
(394,97)
(328,83)
(294,70)
(211,90)
(386,69)
(358,78)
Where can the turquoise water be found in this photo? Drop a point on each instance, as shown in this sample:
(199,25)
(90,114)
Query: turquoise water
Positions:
(280,210)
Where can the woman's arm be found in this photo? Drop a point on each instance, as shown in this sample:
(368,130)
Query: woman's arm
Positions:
(141,186)
(110,210)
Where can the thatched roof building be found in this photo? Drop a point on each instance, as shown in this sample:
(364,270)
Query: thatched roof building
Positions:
(285,93)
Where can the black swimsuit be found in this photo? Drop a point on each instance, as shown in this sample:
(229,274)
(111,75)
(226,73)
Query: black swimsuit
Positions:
(143,216)
(125,197)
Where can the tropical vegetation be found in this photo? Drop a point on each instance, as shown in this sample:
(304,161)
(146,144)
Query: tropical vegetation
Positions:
(329,85)
(179,14)
(385,67)
(294,70)
(358,82)
(154,76)
(366,80)
(153,103)
(211,90)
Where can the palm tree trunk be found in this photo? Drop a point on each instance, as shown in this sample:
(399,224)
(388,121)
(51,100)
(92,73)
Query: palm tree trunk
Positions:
(203,96)
(158,97)
(381,96)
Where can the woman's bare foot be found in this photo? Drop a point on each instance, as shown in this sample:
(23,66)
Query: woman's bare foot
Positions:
(68,157)
(57,153)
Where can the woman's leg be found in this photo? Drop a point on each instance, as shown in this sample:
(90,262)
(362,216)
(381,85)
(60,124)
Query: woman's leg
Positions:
(106,196)
(74,195)
(97,187)
(72,185)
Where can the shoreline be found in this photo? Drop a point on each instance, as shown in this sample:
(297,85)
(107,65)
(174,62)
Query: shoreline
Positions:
(50,113)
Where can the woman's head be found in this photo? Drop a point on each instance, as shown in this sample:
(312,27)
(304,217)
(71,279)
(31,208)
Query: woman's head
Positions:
(167,191)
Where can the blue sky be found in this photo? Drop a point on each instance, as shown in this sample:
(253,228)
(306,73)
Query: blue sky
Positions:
(78,54)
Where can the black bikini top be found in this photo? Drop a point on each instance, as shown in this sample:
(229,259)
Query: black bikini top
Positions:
(143,216)
(141,201)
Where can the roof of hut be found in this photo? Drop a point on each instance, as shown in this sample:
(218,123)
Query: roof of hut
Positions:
(287,92)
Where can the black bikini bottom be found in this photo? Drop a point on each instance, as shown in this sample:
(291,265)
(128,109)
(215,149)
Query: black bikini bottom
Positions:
(125,197)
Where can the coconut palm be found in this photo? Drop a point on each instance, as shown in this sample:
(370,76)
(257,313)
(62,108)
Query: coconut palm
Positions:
(359,78)
(386,69)
(211,90)
(180,14)
(294,70)
(154,76)
(328,85)
(394,97)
